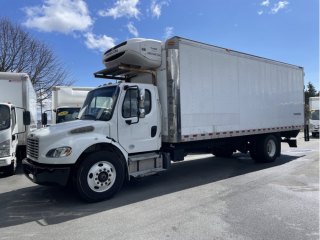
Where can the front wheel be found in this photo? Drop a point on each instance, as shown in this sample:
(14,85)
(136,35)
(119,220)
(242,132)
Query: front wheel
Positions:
(98,177)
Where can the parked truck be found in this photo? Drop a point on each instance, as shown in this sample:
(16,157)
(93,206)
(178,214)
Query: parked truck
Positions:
(67,102)
(17,100)
(314,115)
(173,97)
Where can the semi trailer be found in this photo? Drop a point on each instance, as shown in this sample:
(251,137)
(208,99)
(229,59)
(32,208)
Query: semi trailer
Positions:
(173,97)
(314,115)
(66,102)
(17,100)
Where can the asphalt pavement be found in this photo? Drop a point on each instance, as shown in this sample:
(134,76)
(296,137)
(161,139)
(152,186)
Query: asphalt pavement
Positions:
(203,197)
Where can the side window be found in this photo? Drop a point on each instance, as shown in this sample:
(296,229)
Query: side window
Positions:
(13,117)
(130,104)
(147,102)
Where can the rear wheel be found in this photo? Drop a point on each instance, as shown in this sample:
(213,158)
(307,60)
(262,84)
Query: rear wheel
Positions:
(98,177)
(267,149)
(314,134)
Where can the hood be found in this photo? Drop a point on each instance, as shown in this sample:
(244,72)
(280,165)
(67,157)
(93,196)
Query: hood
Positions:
(66,129)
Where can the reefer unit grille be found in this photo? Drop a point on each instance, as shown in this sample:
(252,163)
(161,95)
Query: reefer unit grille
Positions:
(33,148)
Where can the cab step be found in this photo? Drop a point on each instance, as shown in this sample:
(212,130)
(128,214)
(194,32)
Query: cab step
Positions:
(146,173)
(147,164)
(144,156)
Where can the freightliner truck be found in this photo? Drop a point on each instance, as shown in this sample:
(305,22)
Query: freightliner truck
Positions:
(17,100)
(314,115)
(173,97)
(66,102)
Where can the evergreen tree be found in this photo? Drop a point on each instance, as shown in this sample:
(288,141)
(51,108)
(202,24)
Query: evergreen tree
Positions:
(310,92)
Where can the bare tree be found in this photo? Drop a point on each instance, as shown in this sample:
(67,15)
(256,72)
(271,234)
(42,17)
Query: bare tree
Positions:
(22,52)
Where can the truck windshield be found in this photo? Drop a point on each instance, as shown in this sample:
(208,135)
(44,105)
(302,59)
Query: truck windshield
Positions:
(4,117)
(99,104)
(314,115)
(67,114)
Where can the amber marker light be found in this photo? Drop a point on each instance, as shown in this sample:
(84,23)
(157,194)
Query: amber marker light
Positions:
(9,102)
(228,50)
(68,152)
(170,43)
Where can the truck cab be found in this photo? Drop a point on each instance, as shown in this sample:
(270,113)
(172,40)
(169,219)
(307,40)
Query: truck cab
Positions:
(314,122)
(314,115)
(67,102)
(8,138)
(66,114)
(115,121)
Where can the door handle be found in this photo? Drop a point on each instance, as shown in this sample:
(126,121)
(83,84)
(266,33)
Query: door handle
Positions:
(153,131)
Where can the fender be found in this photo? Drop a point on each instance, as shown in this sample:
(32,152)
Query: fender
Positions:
(118,147)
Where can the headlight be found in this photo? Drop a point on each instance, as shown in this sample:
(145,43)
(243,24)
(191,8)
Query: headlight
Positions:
(5,148)
(59,152)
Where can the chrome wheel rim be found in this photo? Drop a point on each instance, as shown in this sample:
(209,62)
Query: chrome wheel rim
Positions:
(271,148)
(101,176)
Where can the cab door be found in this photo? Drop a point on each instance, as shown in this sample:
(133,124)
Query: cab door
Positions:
(138,134)
(14,130)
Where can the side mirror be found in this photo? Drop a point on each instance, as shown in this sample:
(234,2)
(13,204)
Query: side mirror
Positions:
(142,94)
(26,118)
(44,119)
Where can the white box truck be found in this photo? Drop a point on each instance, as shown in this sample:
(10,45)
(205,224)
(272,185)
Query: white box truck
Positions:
(175,97)
(17,100)
(67,102)
(314,115)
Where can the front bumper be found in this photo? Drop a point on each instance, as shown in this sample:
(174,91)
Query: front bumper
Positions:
(6,161)
(45,174)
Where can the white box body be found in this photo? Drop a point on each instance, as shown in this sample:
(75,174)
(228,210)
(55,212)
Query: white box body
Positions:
(17,89)
(211,92)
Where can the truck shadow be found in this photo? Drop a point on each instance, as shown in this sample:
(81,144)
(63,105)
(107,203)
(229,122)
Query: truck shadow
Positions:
(54,205)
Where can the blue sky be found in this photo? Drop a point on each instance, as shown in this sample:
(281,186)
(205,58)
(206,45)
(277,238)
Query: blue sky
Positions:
(81,30)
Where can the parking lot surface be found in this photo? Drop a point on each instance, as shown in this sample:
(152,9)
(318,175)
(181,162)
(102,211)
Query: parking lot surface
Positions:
(202,197)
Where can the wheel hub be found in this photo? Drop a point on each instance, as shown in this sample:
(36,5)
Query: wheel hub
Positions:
(101,176)
(271,148)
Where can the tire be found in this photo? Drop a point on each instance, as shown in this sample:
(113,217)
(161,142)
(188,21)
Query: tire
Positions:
(267,149)
(253,149)
(314,134)
(11,169)
(98,176)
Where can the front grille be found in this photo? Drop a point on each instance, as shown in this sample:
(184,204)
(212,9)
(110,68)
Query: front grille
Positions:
(115,47)
(33,148)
